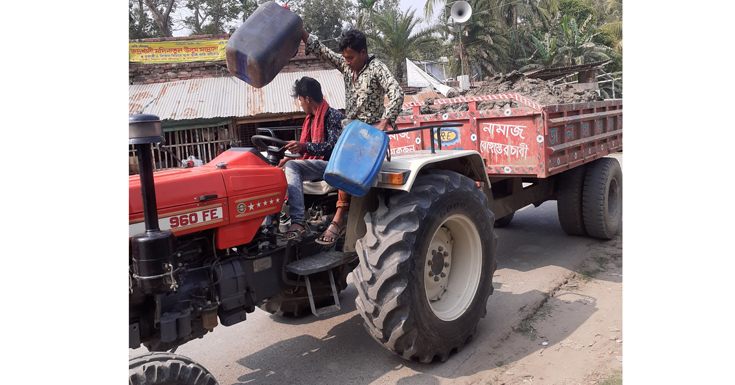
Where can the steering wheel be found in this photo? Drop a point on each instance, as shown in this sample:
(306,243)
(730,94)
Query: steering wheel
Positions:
(275,154)
(258,142)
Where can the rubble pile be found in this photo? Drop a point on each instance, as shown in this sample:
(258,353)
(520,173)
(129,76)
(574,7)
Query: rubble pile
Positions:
(536,90)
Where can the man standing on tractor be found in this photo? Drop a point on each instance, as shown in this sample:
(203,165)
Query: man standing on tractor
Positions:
(367,82)
(322,127)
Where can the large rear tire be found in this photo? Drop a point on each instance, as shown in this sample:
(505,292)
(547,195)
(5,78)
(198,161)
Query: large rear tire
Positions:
(426,266)
(167,369)
(569,200)
(602,203)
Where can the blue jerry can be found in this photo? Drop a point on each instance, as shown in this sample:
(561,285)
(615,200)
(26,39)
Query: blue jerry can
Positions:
(356,158)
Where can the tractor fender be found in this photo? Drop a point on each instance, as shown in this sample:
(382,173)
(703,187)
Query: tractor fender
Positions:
(465,162)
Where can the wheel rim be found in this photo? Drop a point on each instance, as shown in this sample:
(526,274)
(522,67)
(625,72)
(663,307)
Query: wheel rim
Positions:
(613,200)
(452,267)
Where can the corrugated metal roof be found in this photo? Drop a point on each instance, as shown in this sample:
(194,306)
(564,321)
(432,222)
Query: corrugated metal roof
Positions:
(229,96)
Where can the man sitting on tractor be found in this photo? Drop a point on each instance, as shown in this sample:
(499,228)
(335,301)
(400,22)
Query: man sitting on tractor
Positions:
(319,134)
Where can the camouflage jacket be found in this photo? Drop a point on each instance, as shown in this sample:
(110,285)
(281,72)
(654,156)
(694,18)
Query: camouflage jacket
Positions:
(365,97)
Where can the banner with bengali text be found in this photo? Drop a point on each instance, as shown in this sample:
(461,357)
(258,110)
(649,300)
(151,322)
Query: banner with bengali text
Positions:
(177,51)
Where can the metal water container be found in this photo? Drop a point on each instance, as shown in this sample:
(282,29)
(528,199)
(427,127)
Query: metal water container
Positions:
(264,44)
(356,158)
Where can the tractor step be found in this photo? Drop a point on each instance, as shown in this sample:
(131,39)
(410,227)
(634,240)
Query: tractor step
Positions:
(316,263)
(326,309)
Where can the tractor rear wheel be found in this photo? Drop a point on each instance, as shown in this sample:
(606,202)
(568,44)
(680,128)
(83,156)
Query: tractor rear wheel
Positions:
(602,202)
(167,369)
(569,200)
(426,266)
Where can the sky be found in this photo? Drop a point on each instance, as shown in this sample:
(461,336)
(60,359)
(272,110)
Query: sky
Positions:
(418,5)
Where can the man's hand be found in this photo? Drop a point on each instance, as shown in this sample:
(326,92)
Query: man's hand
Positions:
(382,125)
(295,147)
(283,161)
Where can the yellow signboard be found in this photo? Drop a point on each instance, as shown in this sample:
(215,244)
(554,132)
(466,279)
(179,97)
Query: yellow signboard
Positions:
(177,51)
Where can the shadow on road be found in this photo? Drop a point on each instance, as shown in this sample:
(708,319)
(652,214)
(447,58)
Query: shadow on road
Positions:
(348,355)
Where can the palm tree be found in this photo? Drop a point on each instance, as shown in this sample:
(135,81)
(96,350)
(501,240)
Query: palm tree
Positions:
(365,10)
(530,11)
(616,31)
(394,39)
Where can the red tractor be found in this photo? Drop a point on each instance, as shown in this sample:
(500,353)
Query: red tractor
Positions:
(205,249)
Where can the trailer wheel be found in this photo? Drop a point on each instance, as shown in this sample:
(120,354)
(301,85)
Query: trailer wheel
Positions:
(602,203)
(426,266)
(167,369)
(569,200)
(504,221)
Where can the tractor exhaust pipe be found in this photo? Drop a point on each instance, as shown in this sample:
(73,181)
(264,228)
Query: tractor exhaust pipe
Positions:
(153,265)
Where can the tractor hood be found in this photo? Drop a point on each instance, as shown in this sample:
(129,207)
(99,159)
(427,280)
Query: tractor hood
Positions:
(242,170)
(178,187)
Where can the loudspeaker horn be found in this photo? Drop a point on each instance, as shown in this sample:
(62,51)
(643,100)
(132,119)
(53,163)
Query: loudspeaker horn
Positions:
(461,12)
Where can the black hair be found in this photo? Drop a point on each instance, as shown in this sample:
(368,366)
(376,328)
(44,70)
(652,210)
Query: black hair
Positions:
(353,39)
(307,86)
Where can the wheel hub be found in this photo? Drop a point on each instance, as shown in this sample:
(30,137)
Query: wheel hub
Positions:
(452,267)
(438,264)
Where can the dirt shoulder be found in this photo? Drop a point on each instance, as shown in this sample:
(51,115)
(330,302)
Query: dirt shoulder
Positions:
(546,352)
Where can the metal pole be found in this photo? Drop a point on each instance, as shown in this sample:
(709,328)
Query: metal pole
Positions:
(461,61)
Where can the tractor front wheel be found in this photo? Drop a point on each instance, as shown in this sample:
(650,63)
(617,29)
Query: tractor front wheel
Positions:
(167,369)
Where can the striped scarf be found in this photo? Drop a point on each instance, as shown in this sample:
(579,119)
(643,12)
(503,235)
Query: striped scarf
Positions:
(313,130)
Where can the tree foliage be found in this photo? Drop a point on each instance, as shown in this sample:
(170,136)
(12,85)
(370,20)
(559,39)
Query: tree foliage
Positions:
(578,10)
(140,24)
(161,11)
(213,16)
(326,19)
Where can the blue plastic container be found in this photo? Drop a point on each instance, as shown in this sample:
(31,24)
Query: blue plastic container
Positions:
(356,158)
(264,44)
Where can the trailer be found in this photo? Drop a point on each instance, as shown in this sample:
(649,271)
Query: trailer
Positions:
(532,154)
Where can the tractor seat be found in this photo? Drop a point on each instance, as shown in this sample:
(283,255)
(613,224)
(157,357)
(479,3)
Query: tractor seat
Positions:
(317,187)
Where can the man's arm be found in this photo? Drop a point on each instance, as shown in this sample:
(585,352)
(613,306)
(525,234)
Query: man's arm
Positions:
(395,95)
(314,46)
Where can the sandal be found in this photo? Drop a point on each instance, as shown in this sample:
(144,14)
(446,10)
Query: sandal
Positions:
(294,233)
(330,232)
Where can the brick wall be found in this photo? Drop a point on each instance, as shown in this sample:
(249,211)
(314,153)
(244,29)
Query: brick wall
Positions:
(160,73)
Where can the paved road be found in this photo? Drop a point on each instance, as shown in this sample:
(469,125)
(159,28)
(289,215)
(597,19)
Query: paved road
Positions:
(533,255)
